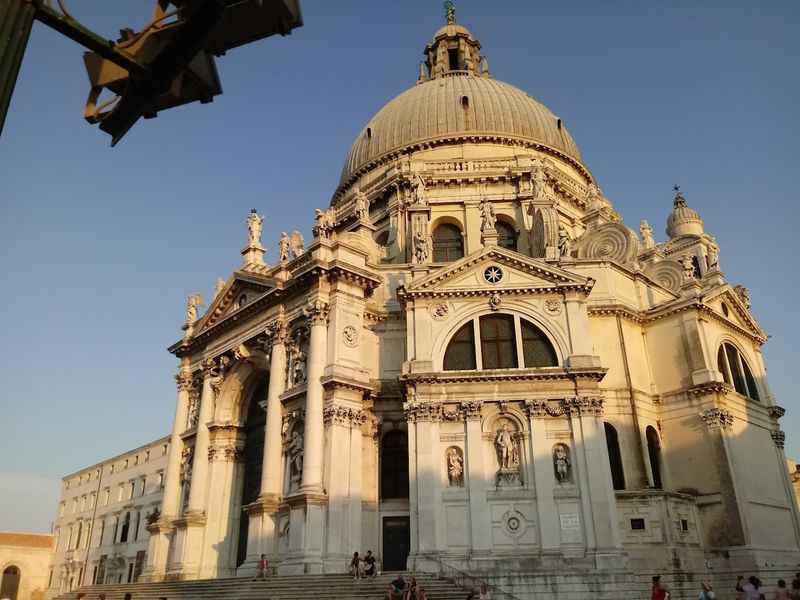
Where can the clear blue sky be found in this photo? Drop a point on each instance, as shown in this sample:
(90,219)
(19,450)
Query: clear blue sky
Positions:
(100,246)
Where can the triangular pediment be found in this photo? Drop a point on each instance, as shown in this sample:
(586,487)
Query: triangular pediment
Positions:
(240,289)
(495,268)
(739,314)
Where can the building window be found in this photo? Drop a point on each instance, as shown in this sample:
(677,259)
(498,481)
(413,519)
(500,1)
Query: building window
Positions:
(498,342)
(637,524)
(654,453)
(506,235)
(106,496)
(501,335)
(614,457)
(147,456)
(448,244)
(164,450)
(116,530)
(136,526)
(160,480)
(684,525)
(130,572)
(736,372)
(394,465)
(460,355)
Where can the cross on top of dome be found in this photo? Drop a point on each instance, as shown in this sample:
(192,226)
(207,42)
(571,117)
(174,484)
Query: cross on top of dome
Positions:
(450,12)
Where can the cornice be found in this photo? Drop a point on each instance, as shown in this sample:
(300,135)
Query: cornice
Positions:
(542,374)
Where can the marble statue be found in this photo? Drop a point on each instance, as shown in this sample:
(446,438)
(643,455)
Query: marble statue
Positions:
(564,243)
(562,465)
(713,258)
(418,187)
(455,467)
(361,208)
(688,268)
(488,216)
(295,452)
(192,302)
(284,247)
(647,235)
(420,247)
(504,443)
(324,222)
(744,295)
(219,286)
(255,224)
(298,367)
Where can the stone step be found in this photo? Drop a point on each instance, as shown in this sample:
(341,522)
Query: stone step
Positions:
(280,587)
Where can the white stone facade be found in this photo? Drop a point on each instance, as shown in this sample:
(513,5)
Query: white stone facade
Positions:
(473,317)
(24,562)
(100,531)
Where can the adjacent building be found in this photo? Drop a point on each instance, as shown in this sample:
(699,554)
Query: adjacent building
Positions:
(100,531)
(24,563)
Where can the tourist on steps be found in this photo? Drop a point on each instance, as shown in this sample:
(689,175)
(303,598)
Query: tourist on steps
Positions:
(706,591)
(485,593)
(659,592)
(415,591)
(369,565)
(397,588)
(355,566)
(263,567)
(781,593)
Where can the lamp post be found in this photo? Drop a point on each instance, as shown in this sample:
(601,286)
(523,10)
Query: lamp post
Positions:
(168,63)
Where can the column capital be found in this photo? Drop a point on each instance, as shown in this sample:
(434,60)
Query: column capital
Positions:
(344,415)
(184,380)
(471,409)
(317,312)
(277,332)
(422,411)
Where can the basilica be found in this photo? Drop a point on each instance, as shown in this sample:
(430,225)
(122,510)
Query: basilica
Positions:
(474,364)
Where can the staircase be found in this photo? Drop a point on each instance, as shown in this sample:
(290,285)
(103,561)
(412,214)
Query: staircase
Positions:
(281,587)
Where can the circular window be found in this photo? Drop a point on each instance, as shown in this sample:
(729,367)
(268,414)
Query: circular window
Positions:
(725,310)
(513,523)
(493,274)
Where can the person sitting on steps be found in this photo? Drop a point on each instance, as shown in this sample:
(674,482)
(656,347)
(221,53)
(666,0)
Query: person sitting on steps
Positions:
(369,565)
(397,588)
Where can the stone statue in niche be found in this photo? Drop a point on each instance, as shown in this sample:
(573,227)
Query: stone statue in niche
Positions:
(455,466)
(688,269)
(298,367)
(295,452)
(418,190)
(187,457)
(508,460)
(420,247)
(562,465)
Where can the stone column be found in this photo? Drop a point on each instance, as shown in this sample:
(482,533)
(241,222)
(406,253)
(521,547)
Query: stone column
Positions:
(595,475)
(476,480)
(263,513)
(549,528)
(582,352)
(158,545)
(195,515)
(313,439)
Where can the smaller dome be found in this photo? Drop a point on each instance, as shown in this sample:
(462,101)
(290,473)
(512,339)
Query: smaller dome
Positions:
(683,220)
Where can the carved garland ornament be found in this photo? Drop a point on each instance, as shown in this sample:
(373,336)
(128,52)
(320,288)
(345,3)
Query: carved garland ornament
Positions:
(440,311)
(342,415)
(225,453)
(717,418)
(584,405)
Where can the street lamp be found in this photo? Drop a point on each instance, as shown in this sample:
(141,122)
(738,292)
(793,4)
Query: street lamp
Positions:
(170,62)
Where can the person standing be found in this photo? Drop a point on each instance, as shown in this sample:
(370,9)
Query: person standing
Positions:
(782,593)
(658,592)
(706,591)
(355,566)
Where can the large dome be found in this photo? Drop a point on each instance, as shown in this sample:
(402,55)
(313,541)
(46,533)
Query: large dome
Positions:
(452,107)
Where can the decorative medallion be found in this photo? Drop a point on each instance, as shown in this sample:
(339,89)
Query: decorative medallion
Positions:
(514,523)
(440,311)
(552,307)
(494,301)
(350,336)
(493,274)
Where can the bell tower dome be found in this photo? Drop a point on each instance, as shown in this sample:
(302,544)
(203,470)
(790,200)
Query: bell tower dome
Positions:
(453,50)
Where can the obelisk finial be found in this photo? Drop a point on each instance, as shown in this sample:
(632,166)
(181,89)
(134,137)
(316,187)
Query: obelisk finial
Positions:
(450,12)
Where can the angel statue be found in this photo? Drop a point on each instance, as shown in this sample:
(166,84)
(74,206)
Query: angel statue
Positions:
(255,224)
(418,187)
(488,217)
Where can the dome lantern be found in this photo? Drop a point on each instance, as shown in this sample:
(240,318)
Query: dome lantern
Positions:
(453,50)
(683,220)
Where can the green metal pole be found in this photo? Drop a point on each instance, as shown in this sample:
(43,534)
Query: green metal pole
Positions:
(16,20)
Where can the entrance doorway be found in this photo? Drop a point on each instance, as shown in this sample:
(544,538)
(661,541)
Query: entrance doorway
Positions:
(396,543)
(253,457)
(10,584)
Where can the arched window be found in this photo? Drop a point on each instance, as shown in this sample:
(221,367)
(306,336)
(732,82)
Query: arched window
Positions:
(500,336)
(126,525)
(654,452)
(614,457)
(506,235)
(498,342)
(460,355)
(394,465)
(448,244)
(536,347)
(736,372)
